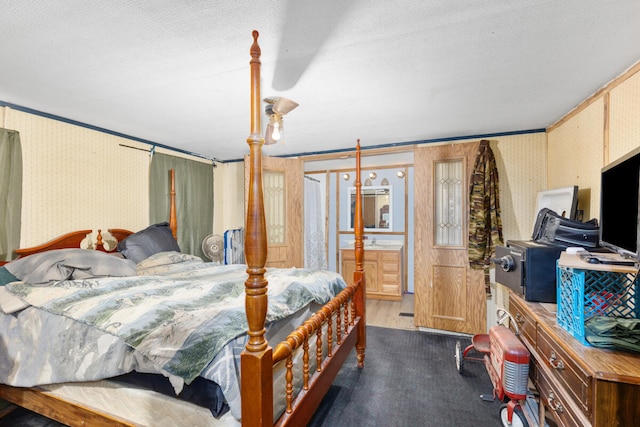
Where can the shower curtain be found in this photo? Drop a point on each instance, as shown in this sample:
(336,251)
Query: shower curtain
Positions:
(315,256)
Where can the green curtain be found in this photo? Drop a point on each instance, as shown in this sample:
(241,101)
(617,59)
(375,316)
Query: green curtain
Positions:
(194,198)
(10,192)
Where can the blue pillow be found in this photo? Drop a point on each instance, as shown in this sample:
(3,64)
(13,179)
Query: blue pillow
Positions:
(153,239)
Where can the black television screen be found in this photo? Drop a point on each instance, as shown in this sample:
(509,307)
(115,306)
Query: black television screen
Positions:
(619,187)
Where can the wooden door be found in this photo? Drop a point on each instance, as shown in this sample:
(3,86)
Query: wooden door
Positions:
(283,190)
(449,295)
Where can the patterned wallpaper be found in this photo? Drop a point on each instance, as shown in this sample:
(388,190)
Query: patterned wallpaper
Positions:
(76,178)
(577,150)
(576,156)
(624,127)
(228,207)
(522,165)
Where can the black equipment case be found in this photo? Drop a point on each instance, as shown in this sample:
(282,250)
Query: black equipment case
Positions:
(551,228)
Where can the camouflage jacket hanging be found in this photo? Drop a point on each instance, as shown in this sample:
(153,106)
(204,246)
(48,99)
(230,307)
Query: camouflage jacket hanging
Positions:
(485,225)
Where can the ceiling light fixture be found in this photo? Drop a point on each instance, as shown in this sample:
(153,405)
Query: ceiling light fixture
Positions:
(276,108)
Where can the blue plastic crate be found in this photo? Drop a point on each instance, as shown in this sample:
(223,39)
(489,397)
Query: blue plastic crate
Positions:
(582,294)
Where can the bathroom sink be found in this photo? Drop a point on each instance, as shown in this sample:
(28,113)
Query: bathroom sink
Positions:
(378,245)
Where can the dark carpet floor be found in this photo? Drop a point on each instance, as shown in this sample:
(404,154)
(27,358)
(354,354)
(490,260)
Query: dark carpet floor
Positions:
(409,379)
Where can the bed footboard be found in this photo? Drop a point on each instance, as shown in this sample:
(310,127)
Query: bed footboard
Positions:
(343,314)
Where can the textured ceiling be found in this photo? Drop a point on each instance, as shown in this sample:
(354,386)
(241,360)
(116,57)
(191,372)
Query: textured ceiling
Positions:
(176,73)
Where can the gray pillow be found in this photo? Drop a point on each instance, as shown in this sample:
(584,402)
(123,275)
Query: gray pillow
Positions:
(63,264)
(153,239)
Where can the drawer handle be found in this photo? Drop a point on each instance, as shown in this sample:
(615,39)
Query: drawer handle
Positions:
(519,318)
(557,406)
(552,361)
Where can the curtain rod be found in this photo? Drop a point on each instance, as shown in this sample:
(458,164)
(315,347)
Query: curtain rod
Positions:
(153,149)
(311,178)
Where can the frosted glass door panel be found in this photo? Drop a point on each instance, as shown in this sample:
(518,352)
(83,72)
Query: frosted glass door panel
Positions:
(274,206)
(448,203)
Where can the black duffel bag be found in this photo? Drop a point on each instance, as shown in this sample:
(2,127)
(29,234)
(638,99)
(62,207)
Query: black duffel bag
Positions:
(554,229)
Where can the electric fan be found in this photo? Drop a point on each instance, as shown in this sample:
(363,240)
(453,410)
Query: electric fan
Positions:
(213,248)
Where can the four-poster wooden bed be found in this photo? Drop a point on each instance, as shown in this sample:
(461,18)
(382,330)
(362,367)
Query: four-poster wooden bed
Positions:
(308,359)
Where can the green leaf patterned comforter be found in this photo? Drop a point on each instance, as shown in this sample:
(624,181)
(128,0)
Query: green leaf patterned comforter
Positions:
(174,317)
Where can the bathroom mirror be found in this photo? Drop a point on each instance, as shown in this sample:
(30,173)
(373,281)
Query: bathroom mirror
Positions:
(376,207)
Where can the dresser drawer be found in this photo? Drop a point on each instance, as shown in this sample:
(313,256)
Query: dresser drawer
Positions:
(565,371)
(393,278)
(349,255)
(557,402)
(390,262)
(390,288)
(526,324)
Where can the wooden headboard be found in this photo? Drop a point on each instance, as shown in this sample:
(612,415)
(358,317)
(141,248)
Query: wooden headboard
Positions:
(73,240)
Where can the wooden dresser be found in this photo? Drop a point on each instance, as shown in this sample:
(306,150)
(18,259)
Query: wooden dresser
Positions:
(580,385)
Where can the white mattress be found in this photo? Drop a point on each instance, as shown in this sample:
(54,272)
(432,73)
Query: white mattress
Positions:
(137,406)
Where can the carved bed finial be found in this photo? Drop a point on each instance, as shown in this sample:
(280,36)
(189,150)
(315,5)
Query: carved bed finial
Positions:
(99,241)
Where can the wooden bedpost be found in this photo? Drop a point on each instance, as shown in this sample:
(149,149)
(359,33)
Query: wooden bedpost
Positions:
(173,220)
(256,366)
(358,274)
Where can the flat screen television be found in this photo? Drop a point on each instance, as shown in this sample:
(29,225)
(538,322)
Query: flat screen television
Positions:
(619,189)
